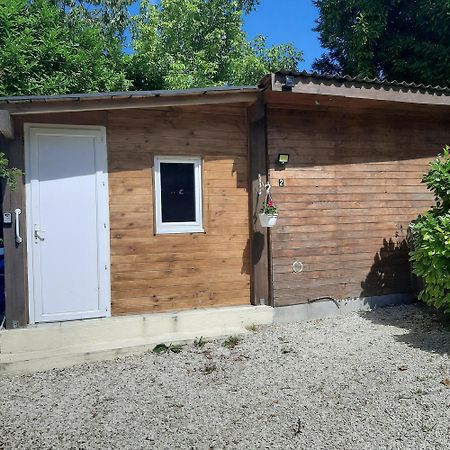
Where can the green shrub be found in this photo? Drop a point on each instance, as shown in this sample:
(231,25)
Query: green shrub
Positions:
(9,174)
(438,180)
(430,256)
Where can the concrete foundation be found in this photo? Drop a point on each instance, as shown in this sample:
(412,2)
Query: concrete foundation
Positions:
(329,308)
(56,345)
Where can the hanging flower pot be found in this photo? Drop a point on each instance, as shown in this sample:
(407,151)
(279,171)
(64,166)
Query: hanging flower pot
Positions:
(268,215)
(267,220)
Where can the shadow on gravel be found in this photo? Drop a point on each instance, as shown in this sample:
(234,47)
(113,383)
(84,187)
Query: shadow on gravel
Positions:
(427,329)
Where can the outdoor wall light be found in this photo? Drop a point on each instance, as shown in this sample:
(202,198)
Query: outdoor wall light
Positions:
(283,158)
(290,81)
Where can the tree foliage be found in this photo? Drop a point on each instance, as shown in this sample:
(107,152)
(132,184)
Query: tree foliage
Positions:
(111,15)
(193,43)
(41,52)
(7,173)
(431,237)
(66,46)
(400,40)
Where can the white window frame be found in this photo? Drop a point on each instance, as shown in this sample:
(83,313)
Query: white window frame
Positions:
(178,227)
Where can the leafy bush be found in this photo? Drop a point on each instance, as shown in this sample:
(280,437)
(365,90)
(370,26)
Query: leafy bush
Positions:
(431,237)
(7,173)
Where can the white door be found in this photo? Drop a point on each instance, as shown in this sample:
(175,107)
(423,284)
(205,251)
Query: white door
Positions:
(67,220)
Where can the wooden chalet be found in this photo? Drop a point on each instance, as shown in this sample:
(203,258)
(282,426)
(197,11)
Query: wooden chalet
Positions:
(136,203)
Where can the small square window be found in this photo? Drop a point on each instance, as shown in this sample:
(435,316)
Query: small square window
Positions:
(178,195)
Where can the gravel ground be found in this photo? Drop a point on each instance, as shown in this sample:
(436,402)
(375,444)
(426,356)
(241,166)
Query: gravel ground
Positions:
(358,382)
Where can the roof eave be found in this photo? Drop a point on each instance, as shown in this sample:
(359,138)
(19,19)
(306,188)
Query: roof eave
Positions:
(351,88)
(127,100)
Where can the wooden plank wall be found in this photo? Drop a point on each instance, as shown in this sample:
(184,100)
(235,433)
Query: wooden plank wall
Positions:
(167,272)
(16,284)
(353,184)
(260,277)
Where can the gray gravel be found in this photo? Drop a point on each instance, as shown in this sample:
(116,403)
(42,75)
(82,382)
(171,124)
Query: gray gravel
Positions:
(357,382)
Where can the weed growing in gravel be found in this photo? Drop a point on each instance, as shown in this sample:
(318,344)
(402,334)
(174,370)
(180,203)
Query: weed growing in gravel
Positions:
(252,327)
(231,342)
(177,348)
(285,351)
(160,348)
(163,348)
(200,342)
(299,428)
(209,368)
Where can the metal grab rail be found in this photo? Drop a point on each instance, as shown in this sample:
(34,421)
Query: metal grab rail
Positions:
(19,239)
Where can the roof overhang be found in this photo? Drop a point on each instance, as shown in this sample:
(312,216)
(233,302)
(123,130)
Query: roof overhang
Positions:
(279,89)
(318,88)
(127,100)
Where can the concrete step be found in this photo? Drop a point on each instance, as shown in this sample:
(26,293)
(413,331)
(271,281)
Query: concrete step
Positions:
(57,345)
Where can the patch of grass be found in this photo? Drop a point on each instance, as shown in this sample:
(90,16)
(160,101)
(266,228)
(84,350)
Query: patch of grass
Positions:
(231,342)
(209,368)
(200,342)
(253,328)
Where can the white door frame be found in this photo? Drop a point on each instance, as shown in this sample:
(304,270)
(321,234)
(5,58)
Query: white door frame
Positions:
(103,244)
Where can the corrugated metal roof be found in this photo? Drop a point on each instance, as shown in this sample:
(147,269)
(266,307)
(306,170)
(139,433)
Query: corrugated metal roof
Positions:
(394,85)
(265,84)
(126,94)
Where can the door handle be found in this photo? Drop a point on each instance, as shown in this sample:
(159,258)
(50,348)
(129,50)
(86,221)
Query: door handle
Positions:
(19,239)
(38,236)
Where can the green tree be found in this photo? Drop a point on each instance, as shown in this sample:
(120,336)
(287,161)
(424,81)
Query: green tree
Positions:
(196,43)
(111,15)
(400,40)
(64,46)
(42,52)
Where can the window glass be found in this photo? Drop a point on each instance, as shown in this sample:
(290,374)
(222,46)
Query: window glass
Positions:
(177,192)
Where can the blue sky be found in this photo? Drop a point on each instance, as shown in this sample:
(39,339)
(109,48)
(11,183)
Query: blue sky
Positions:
(287,21)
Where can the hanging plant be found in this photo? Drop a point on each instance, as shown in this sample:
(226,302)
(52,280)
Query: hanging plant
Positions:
(269,208)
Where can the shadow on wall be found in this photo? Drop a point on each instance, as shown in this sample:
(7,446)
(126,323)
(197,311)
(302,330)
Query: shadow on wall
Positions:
(246,259)
(390,272)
